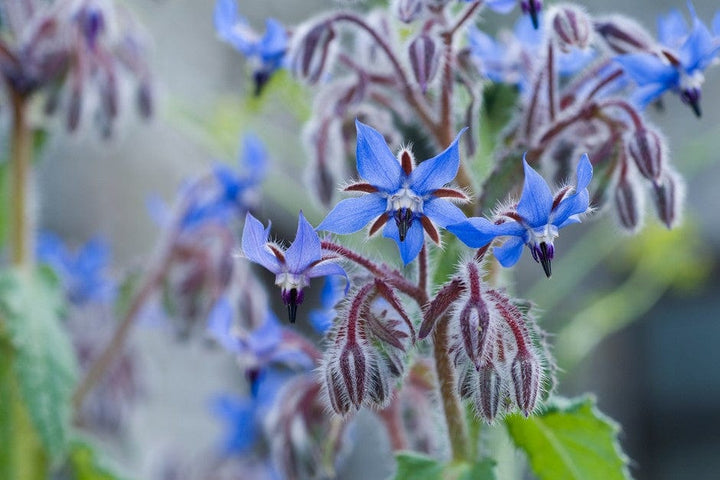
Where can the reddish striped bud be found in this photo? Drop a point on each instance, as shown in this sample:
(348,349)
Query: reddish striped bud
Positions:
(312,52)
(647,149)
(489,392)
(526,380)
(668,194)
(628,204)
(572,27)
(408,10)
(424,59)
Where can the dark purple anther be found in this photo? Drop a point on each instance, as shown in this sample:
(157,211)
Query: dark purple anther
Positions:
(691,97)
(543,254)
(403,219)
(532,7)
(261,78)
(92,24)
(292,299)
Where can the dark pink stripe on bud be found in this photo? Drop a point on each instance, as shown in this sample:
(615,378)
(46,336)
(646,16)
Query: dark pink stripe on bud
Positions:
(447,295)
(487,398)
(647,149)
(423,59)
(526,381)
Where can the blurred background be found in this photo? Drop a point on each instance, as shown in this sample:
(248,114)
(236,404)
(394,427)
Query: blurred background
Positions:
(654,305)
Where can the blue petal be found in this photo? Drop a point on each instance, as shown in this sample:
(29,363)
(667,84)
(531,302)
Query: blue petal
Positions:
(254,238)
(696,52)
(321,320)
(646,69)
(501,6)
(672,28)
(352,214)
(233,28)
(274,43)
(323,269)
(716,23)
(219,325)
(305,249)
(239,416)
(413,243)
(579,201)
(254,157)
(509,253)
(375,162)
(584,173)
(643,96)
(225,16)
(477,232)
(437,171)
(266,338)
(536,199)
(442,212)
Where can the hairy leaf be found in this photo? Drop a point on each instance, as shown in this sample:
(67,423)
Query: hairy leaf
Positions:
(43,362)
(570,440)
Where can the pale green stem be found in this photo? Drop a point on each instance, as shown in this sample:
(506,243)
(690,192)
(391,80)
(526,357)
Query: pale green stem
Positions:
(21,239)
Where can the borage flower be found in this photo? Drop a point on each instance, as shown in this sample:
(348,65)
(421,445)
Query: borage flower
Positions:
(294,267)
(535,220)
(680,64)
(413,197)
(267,51)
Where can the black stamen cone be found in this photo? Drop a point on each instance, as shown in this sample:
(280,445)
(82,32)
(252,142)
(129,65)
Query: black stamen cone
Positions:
(261,78)
(545,259)
(534,14)
(292,305)
(695,105)
(403,220)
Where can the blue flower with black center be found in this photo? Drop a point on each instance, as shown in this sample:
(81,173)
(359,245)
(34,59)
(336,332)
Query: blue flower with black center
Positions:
(679,65)
(415,199)
(535,221)
(294,267)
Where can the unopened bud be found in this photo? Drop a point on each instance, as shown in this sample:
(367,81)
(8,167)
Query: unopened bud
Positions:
(74,108)
(525,372)
(647,149)
(572,27)
(145,99)
(668,193)
(424,60)
(627,204)
(623,35)
(313,52)
(408,10)
(489,392)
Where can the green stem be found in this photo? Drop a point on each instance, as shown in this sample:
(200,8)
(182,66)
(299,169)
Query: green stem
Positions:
(20,163)
(452,407)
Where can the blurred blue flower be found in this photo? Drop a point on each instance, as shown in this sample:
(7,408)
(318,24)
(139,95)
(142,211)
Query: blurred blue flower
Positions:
(294,267)
(225,195)
(512,59)
(267,345)
(243,416)
(535,221)
(322,318)
(501,6)
(84,273)
(267,51)
(679,66)
(414,198)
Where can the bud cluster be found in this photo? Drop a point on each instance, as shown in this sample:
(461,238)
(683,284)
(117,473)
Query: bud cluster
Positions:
(366,350)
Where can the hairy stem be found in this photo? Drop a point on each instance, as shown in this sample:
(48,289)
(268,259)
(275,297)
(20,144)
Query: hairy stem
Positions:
(390,417)
(452,407)
(20,164)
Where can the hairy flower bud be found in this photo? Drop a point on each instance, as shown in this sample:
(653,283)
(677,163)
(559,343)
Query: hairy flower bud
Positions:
(526,380)
(144,99)
(489,392)
(628,204)
(424,59)
(312,51)
(647,149)
(623,35)
(74,109)
(571,27)
(408,10)
(668,194)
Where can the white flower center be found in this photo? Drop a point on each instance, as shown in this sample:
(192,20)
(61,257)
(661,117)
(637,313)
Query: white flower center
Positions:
(287,281)
(691,82)
(545,234)
(405,198)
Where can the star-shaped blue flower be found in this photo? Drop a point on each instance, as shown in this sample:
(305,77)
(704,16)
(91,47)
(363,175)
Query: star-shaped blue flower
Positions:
(268,51)
(394,189)
(679,65)
(294,267)
(535,220)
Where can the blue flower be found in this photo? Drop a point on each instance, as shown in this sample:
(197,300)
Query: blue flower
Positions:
(679,65)
(413,197)
(259,348)
(267,51)
(535,220)
(243,416)
(84,273)
(294,267)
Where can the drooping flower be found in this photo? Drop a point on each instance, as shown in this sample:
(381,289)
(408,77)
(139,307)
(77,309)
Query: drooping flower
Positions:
(534,221)
(415,198)
(294,267)
(678,66)
(266,51)
(84,273)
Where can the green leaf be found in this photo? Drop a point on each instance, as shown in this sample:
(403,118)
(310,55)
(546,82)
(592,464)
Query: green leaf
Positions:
(4,202)
(87,464)
(21,454)
(416,466)
(570,440)
(43,363)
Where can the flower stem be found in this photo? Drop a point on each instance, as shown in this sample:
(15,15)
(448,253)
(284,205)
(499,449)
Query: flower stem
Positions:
(20,164)
(390,417)
(452,408)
